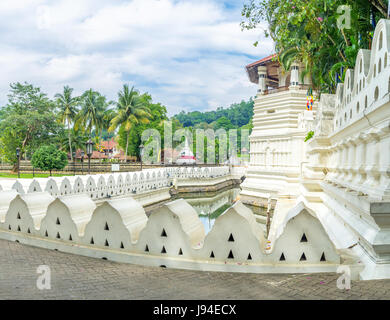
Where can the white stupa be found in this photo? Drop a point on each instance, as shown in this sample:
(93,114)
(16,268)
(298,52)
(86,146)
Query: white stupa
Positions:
(186,156)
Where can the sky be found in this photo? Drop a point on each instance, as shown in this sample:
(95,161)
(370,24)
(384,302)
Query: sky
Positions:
(188,54)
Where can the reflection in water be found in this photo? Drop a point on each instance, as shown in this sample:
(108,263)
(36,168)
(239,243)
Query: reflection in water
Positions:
(211,205)
(207,223)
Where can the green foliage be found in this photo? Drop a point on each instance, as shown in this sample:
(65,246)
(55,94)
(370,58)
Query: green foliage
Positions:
(105,135)
(94,109)
(307,31)
(238,115)
(48,158)
(31,119)
(216,213)
(310,135)
(67,111)
(26,122)
(77,139)
(132,111)
(157,116)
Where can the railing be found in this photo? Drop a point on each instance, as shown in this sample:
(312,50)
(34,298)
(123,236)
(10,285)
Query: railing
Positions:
(96,167)
(108,185)
(286,88)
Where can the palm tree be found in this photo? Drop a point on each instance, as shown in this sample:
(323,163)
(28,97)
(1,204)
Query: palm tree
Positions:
(78,140)
(107,116)
(132,109)
(68,109)
(93,106)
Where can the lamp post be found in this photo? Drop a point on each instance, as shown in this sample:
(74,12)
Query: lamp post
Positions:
(82,161)
(141,152)
(89,146)
(18,156)
(74,163)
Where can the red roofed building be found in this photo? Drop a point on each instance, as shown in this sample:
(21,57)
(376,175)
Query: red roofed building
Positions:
(110,148)
(107,150)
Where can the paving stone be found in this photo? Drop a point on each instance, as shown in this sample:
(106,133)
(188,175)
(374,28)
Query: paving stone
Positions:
(77,277)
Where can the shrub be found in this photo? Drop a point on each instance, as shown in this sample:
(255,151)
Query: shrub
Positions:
(48,158)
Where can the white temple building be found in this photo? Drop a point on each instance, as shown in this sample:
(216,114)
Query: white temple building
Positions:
(341,176)
(280,125)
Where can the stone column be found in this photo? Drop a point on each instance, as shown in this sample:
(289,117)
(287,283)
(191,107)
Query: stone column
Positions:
(372,162)
(282,77)
(294,82)
(360,161)
(262,71)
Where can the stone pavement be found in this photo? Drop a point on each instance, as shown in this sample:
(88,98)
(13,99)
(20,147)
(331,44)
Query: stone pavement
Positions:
(77,277)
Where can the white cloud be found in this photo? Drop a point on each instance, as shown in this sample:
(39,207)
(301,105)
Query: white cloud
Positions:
(187,54)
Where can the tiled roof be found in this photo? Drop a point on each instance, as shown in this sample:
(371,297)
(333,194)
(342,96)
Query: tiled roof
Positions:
(109,144)
(269,58)
(271,66)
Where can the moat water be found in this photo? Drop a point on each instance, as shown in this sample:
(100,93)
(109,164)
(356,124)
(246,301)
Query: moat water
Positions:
(210,205)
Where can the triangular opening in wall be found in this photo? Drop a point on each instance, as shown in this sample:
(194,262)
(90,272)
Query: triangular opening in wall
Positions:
(231,256)
(58,235)
(92,242)
(18,228)
(18,217)
(282,257)
(106,227)
(58,221)
(249,257)
(212,254)
(231,238)
(28,230)
(323,257)
(303,257)
(163,250)
(163,233)
(46,234)
(9,227)
(122,246)
(146,248)
(304,239)
(180,252)
(106,243)
(70,238)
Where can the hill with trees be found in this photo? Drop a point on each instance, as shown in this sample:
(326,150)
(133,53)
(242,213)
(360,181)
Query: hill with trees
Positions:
(234,117)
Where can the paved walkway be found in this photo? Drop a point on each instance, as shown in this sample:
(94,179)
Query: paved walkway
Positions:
(77,277)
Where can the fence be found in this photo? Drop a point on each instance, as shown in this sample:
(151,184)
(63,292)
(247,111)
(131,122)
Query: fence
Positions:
(79,168)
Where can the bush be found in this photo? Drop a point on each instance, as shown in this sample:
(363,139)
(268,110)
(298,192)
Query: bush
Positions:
(48,158)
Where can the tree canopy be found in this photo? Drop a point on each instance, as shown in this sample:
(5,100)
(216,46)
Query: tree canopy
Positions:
(27,121)
(48,158)
(323,34)
(31,120)
(238,115)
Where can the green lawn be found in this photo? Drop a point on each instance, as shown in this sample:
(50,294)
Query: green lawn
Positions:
(30,175)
